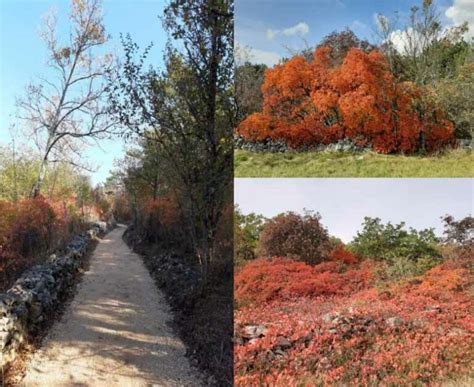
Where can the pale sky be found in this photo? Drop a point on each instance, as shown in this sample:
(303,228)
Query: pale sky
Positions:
(343,203)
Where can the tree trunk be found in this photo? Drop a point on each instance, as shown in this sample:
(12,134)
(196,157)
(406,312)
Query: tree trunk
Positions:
(39,181)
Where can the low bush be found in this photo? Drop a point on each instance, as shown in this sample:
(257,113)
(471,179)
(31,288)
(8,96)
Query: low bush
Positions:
(400,268)
(265,280)
(29,230)
(413,333)
(386,242)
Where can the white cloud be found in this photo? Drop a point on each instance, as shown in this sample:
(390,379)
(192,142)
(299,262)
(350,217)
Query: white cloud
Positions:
(403,40)
(400,40)
(254,55)
(271,34)
(358,25)
(460,12)
(269,58)
(300,29)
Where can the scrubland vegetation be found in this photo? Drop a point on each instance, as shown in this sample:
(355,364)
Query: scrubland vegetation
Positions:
(176,178)
(174,185)
(45,194)
(392,307)
(33,228)
(376,97)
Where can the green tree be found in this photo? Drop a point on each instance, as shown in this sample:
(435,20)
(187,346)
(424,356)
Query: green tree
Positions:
(456,94)
(247,229)
(249,78)
(460,232)
(423,50)
(187,111)
(17,174)
(386,241)
(401,252)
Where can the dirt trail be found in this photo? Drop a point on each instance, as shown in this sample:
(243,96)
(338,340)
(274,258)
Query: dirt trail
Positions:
(114,332)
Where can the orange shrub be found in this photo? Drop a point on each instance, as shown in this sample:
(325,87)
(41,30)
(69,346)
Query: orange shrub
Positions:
(33,227)
(453,275)
(159,220)
(26,229)
(317,102)
(30,229)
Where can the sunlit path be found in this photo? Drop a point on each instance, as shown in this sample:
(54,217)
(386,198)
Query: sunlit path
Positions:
(114,332)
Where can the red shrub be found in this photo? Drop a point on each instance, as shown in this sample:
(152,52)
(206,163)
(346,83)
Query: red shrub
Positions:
(7,219)
(410,334)
(159,220)
(265,280)
(30,229)
(342,255)
(27,229)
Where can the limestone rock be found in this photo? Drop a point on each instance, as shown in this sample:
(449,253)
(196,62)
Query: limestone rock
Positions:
(253,331)
(394,322)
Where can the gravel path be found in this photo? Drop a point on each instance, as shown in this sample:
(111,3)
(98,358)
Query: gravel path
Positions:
(114,333)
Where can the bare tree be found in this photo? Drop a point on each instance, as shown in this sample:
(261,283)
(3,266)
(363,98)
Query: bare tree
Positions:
(64,112)
(419,43)
(384,31)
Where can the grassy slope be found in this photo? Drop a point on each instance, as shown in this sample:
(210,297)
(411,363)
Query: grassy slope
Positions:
(458,163)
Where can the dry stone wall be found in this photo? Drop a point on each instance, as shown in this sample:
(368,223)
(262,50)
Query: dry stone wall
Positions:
(39,291)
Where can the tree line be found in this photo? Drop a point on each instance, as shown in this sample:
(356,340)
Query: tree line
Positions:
(401,251)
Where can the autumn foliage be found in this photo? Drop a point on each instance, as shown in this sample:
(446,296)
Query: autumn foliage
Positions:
(320,102)
(330,325)
(159,220)
(32,228)
(264,280)
(341,254)
(25,226)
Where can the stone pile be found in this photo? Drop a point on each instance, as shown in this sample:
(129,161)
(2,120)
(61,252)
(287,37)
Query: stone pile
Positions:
(39,291)
(277,146)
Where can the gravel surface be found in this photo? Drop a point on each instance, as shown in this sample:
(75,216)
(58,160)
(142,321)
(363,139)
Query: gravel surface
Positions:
(115,331)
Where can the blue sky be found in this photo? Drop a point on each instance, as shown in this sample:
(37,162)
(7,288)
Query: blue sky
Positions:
(23,55)
(268,27)
(343,203)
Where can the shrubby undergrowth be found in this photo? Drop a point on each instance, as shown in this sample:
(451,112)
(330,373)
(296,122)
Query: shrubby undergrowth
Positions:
(30,229)
(393,307)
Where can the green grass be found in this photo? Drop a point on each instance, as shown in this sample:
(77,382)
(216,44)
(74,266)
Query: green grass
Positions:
(456,163)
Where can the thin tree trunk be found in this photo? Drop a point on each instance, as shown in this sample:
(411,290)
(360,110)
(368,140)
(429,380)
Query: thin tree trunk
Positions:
(39,181)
